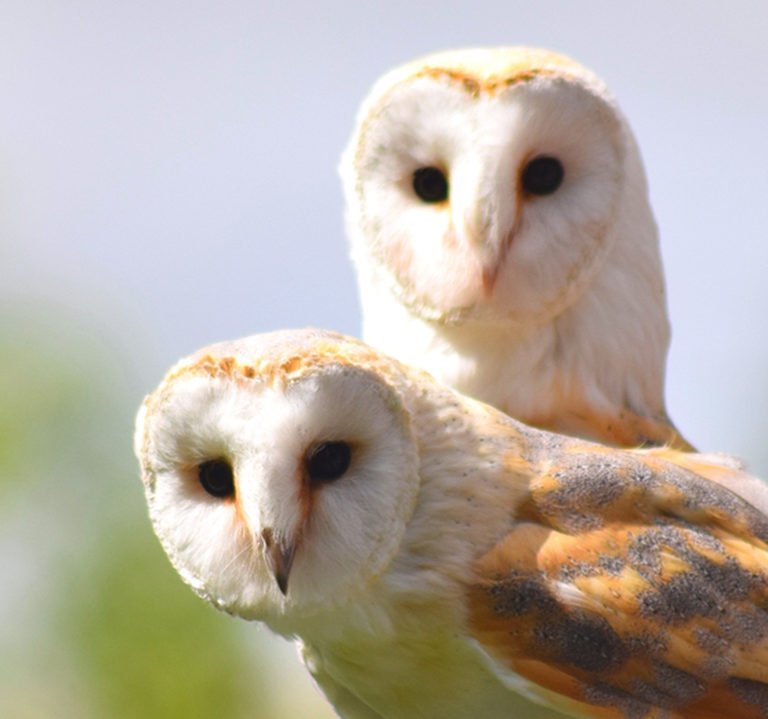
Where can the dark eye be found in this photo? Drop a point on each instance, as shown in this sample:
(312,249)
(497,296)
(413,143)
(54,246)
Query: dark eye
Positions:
(217,477)
(543,175)
(328,461)
(430,184)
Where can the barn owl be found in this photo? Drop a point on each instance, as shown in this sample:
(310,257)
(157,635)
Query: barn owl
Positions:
(437,558)
(503,239)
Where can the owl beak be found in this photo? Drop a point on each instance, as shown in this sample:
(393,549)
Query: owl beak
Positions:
(279,556)
(475,234)
(491,267)
(483,224)
(489,273)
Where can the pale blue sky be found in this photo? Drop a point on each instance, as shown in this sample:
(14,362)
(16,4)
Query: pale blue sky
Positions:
(168,169)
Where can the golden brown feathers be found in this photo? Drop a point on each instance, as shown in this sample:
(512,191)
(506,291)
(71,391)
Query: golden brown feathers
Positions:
(632,585)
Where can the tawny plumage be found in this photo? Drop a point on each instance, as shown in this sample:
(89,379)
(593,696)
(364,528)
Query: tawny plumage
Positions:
(436,558)
(504,241)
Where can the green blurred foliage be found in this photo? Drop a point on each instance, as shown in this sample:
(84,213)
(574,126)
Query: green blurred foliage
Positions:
(42,392)
(94,622)
(148,648)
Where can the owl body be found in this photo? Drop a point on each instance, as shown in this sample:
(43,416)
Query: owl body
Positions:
(417,674)
(435,557)
(540,293)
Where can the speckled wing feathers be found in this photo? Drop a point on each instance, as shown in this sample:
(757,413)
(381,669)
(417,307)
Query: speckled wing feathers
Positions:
(633,586)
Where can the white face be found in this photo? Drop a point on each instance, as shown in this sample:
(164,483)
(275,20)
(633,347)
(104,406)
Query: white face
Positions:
(496,204)
(273,499)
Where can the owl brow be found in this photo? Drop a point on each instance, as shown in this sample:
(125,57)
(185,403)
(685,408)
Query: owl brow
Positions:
(232,368)
(493,84)
(285,368)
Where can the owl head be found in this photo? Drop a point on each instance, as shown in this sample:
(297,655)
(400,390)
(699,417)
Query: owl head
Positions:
(491,185)
(280,471)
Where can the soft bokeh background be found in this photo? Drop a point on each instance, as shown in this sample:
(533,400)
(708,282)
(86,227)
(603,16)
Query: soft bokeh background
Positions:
(167,179)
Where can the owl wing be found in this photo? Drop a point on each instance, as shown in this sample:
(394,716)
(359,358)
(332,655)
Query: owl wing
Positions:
(720,468)
(624,428)
(634,430)
(633,587)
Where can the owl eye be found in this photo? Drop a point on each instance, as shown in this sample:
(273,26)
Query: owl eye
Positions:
(328,461)
(430,184)
(217,478)
(543,175)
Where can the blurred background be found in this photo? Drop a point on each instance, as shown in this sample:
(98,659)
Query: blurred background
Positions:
(168,179)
